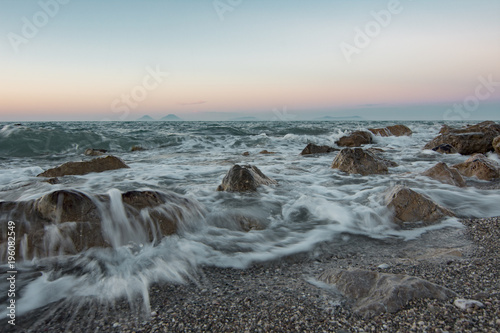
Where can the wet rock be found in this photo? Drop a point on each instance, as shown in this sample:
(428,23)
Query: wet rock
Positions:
(359,161)
(445,149)
(67,221)
(311,148)
(479,166)
(265,152)
(82,168)
(246,154)
(95,152)
(441,172)
(355,139)
(395,130)
(374,293)
(52,181)
(412,209)
(245,178)
(137,148)
(468,140)
(496,144)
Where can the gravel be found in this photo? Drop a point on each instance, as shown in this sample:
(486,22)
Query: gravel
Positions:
(284,295)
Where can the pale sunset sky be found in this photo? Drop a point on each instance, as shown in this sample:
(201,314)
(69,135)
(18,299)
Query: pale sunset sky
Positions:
(99,60)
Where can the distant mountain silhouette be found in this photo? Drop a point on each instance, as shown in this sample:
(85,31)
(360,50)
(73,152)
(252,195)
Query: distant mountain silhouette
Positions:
(340,118)
(145,118)
(171,117)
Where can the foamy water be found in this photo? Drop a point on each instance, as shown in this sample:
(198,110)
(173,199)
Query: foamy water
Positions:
(312,203)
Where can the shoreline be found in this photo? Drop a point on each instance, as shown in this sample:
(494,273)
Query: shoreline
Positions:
(283,294)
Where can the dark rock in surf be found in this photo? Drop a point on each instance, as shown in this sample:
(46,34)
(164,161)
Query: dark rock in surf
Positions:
(445,149)
(395,130)
(245,178)
(468,140)
(311,148)
(442,173)
(359,161)
(374,293)
(246,154)
(82,168)
(479,166)
(412,209)
(355,139)
(265,152)
(95,152)
(67,222)
(137,148)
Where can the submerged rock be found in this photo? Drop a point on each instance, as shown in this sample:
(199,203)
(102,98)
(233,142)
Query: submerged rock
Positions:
(245,178)
(100,164)
(359,161)
(441,172)
(265,152)
(479,166)
(137,148)
(311,148)
(445,149)
(95,152)
(374,293)
(395,130)
(411,208)
(355,139)
(467,140)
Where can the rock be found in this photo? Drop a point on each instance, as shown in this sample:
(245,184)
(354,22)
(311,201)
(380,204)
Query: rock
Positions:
(265,152)
(52,181)
(95,152)
(464,304)
(441,172)
(467,140)
(137,148)
(496,144)
(245,178)
(68,222)
(395,130)
(359,161)
(355,139)
(311,148)
(67,206)
(374,293)
(445,149)
(410,207)
(246,154)
(82,168)
(479,166)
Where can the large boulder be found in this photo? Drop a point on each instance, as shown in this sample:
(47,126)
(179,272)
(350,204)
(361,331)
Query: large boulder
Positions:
(311,148)
(359,161)
(395,130)
(355,139)
(496,144)
(68,222)
(100,164)
(479,166)
(374,293)
(467,140)
(441,172)
(412,209)
(244,178)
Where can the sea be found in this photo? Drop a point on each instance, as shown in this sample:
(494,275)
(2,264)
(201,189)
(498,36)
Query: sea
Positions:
(311,204)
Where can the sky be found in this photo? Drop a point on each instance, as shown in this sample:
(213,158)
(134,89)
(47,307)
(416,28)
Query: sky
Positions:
(222,59)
